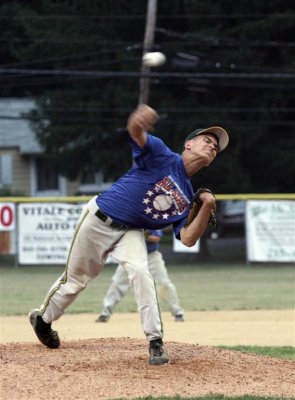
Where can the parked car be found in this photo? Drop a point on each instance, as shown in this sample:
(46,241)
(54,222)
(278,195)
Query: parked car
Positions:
(230,217)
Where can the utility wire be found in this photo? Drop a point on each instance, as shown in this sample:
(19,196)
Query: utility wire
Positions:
(67,57)
(93,119)
(97,109)
(122,120)
(143,16)
(126,74)
(208,41)
(222,41)
(31,81)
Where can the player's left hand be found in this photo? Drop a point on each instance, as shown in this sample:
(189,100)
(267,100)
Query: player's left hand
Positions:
(199,197)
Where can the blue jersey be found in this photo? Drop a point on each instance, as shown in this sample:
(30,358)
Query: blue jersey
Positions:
(154,193)
(151,246)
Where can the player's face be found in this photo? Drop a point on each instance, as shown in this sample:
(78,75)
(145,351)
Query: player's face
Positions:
(205,146)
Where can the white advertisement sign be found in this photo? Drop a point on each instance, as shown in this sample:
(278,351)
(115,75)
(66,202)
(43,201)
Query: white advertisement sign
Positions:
(7,216)
(270,230)
(178,247)
(45,231)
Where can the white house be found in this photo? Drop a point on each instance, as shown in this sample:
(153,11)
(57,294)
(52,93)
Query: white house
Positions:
(24,167)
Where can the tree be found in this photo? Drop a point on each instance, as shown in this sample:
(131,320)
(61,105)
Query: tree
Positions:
(211,47)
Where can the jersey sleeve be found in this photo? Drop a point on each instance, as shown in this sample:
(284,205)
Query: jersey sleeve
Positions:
(152,154)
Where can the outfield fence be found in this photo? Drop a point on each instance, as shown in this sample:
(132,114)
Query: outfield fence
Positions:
(250,227)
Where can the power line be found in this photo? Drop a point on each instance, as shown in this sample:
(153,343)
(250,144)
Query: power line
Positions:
(63,58)
(97,109)
(143,16)
(59,41)
(76,56)
(18,81)
(122,120)
(126,74)
(222,41)
(66,114)
(209,41)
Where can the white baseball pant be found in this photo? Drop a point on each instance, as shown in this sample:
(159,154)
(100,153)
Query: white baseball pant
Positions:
(93,240)
(166,289)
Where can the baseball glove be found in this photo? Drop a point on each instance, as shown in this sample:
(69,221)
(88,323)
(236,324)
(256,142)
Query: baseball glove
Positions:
(195,206)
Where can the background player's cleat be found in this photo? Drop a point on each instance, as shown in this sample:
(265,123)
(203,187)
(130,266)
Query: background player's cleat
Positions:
(179,318)
(44,333)
(102,318)
(158,354)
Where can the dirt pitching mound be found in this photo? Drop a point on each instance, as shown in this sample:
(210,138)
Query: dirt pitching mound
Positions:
(118,368)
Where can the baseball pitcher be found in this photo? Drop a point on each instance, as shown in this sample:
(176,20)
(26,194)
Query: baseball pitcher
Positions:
(154,193)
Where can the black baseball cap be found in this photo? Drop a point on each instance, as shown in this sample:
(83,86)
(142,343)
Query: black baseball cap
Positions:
(220,133)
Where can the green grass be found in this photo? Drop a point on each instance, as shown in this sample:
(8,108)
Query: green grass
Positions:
(286,352)
(200,287)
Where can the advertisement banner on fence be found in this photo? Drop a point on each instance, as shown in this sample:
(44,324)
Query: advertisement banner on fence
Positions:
(270,230)
(45,231)
(7,217)
(7,228)
(178,247)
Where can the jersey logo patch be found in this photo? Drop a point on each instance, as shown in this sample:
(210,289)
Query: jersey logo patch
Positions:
(165,199)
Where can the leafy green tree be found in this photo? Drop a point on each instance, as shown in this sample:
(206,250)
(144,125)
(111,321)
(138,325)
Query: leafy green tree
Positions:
(228,63)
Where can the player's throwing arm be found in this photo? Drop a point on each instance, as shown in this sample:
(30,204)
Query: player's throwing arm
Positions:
(140,121)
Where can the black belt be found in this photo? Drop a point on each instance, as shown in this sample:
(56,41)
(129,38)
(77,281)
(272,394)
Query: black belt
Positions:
(103,217)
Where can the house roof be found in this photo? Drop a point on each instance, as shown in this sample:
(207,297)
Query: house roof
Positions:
(15,129)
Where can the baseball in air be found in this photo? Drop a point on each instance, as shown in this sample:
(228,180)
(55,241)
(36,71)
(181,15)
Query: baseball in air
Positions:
(153,59)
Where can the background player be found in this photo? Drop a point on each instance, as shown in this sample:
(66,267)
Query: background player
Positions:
(166,289)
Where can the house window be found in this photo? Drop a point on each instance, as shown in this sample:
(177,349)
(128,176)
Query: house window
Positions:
(88,177)
(47,175)
(5,170)
(92,182)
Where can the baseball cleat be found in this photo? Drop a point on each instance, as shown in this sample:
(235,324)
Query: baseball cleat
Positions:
(43,331)
(102,318)
(158,354)
(179,318)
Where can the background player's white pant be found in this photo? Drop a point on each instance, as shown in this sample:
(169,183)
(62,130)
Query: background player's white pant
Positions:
(120,285)
(92,241)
